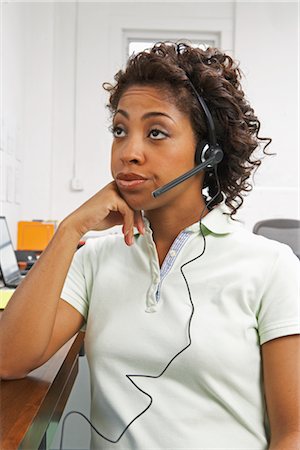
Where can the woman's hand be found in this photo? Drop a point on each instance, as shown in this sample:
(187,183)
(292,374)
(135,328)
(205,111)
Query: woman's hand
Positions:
(105,210)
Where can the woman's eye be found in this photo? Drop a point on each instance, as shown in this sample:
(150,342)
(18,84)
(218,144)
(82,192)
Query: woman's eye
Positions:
(118,132)
(157,134)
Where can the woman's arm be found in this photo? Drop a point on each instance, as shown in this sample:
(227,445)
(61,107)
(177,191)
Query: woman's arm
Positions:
(281,368)
(27,322)
(35,323)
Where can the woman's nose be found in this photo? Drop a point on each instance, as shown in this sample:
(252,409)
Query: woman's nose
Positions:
(132,151)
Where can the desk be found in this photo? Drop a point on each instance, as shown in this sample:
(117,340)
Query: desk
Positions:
(32,407)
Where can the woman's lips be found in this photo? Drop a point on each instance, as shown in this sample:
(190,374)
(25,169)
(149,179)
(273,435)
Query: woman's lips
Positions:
(129,184)
(130,181)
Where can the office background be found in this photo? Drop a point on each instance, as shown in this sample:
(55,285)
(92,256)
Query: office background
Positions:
(54,124)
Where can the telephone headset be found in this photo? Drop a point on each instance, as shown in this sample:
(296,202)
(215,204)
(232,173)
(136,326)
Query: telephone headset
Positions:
(208,153)
(207,156)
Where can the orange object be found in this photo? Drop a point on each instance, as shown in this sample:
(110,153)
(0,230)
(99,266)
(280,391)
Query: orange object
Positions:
(34,235)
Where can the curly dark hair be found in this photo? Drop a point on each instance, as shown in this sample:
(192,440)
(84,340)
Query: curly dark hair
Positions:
(216,76)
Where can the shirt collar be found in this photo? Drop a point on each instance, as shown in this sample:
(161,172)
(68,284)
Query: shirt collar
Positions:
(217,221)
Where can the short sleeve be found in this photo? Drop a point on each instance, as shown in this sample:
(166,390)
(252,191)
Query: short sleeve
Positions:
(75,289)
(279,313)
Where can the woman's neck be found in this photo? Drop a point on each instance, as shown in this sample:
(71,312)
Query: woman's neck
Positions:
(168,222)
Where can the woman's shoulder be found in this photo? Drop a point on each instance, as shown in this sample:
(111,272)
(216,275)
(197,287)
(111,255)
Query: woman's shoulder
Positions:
(241,239)
(263,247)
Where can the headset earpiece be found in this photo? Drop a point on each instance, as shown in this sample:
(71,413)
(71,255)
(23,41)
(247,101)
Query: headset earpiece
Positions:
(202,152)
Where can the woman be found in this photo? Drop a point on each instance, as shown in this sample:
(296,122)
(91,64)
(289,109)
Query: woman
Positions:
(191,328)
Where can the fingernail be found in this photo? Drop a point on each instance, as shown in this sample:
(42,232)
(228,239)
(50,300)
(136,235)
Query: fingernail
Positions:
(128,237)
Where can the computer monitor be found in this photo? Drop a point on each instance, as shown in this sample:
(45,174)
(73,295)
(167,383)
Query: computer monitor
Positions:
(8,262)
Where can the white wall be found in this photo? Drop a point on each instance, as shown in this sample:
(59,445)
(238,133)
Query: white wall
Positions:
(63,71)
(266,43)
(12,64)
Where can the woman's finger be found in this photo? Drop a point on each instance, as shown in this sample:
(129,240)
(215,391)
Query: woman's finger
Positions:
(139,222)
(128,221)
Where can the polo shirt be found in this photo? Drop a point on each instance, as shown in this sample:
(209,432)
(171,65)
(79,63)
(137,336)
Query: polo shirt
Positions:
(214,313)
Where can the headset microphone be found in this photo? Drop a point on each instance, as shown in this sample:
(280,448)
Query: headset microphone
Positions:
(216,157)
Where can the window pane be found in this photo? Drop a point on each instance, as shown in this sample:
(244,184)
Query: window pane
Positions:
(136,46)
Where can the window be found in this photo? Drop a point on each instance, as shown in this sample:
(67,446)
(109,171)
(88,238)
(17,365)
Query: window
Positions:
(137,41)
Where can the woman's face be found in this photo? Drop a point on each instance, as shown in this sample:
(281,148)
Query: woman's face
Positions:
(153,143)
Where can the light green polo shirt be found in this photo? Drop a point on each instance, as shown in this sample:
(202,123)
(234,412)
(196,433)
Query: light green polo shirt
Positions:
(245,291)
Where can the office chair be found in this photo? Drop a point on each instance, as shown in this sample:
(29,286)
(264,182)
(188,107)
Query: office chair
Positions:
(282,230)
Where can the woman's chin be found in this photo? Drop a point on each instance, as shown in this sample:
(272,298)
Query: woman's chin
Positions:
(138,202)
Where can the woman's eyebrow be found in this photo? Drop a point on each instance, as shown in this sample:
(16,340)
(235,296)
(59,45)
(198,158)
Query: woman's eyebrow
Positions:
(124,113)
(155,114)
(145,116)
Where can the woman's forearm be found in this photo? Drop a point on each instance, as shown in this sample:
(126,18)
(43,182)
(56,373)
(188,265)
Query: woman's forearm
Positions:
(28,319)
(290,441)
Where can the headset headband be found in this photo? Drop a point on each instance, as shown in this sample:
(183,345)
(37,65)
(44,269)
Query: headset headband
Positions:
(210,123)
